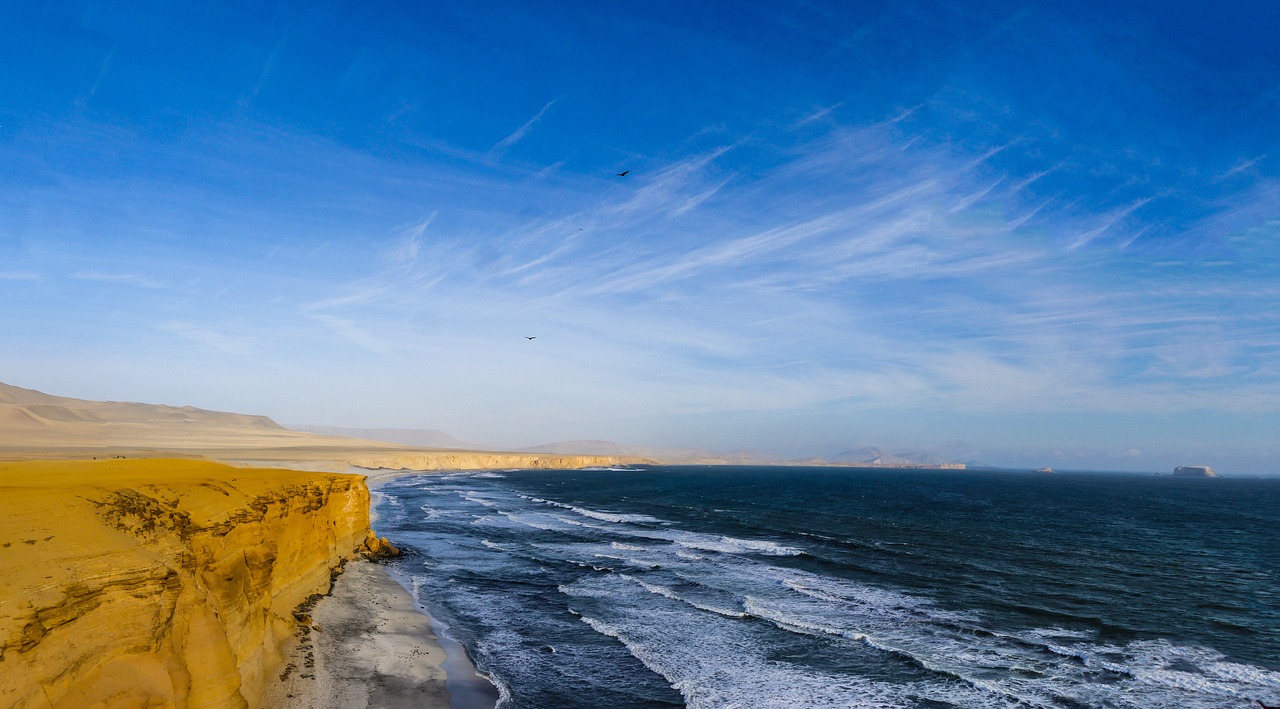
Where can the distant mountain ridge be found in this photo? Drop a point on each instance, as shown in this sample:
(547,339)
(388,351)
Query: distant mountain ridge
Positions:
(434,438)
(39,426)
(30,409)
(29,417)
(421,437)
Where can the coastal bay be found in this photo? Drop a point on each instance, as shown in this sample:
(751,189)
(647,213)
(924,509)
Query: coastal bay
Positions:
(172,556)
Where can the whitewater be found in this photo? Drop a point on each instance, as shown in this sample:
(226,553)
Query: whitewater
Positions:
(813,587)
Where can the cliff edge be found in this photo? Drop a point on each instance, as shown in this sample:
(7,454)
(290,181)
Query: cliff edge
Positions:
(149,583)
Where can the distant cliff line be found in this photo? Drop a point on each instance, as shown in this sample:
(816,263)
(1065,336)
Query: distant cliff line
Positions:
(909,466)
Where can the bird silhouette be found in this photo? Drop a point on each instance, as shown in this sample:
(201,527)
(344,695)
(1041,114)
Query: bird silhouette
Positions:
(529,338)
(623,173)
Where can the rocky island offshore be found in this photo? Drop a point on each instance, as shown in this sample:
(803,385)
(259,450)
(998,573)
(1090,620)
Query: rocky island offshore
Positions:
(1194,471)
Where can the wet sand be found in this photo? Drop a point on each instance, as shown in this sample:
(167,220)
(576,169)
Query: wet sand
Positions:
(371,646)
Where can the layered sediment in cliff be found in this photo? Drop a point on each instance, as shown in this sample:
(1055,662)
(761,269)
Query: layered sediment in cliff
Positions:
(150,583)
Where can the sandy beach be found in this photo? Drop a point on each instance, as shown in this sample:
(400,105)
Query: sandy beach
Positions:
(136,494)
(371,645)
(368,646)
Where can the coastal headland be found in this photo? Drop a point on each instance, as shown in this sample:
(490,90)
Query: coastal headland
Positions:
(161,582)
(158,556)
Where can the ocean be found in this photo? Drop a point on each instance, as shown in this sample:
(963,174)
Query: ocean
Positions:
(835,587)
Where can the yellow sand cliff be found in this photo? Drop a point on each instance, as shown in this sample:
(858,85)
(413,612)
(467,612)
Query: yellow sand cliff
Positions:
(161,583)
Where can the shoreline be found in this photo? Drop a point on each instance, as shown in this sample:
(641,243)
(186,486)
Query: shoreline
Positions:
(369,643)
(467,687)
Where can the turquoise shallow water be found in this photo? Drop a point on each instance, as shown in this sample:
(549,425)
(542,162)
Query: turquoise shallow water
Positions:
(794,587)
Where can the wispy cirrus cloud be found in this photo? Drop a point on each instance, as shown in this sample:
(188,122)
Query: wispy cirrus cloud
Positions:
(1106,223)
(128,279)
(354,333)
(865,268)
(931,267)
(817,115)
(502,146)
(210,338)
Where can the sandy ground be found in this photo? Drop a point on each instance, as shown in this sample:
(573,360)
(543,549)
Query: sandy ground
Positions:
(372,648)
(147,583)
(367,644)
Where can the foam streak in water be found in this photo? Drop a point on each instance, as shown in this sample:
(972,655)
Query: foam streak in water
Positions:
(748,619)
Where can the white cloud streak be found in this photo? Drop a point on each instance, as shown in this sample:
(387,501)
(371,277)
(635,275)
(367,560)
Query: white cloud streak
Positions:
(128,279)
(353,333)
(209,338)
(863,269)
(502,146)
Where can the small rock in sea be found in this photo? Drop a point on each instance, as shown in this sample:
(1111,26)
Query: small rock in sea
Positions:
(547,649)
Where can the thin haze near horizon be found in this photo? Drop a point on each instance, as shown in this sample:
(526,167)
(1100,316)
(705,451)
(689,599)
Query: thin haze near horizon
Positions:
(1024,235)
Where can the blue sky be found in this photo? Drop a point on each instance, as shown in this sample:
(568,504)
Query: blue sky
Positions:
(1023,235)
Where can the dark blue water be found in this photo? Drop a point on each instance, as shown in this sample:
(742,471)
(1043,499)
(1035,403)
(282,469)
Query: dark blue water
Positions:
(816,587)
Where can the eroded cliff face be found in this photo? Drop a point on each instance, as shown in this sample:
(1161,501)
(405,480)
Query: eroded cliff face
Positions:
(161,583)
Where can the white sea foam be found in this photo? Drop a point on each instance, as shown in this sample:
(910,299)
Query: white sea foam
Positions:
(626,559)
(533,521)
(668,593)
(626,547)
(732,545)
(1148,673)
(433,513)
(577,522)
(616,517)
(491,521)
(720,662)
(796,623)
(654,588)
(711,623)
(855,594)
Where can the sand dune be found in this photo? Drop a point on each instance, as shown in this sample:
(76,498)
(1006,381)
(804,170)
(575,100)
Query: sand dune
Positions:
(159,580)
(46,408)
(37,426)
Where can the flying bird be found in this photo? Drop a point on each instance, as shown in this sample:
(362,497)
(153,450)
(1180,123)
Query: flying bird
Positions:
(623,173)
(529,338)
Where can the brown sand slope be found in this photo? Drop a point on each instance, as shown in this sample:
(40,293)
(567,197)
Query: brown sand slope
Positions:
(146,583)
(38,426)
(45,410)
(34,422)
